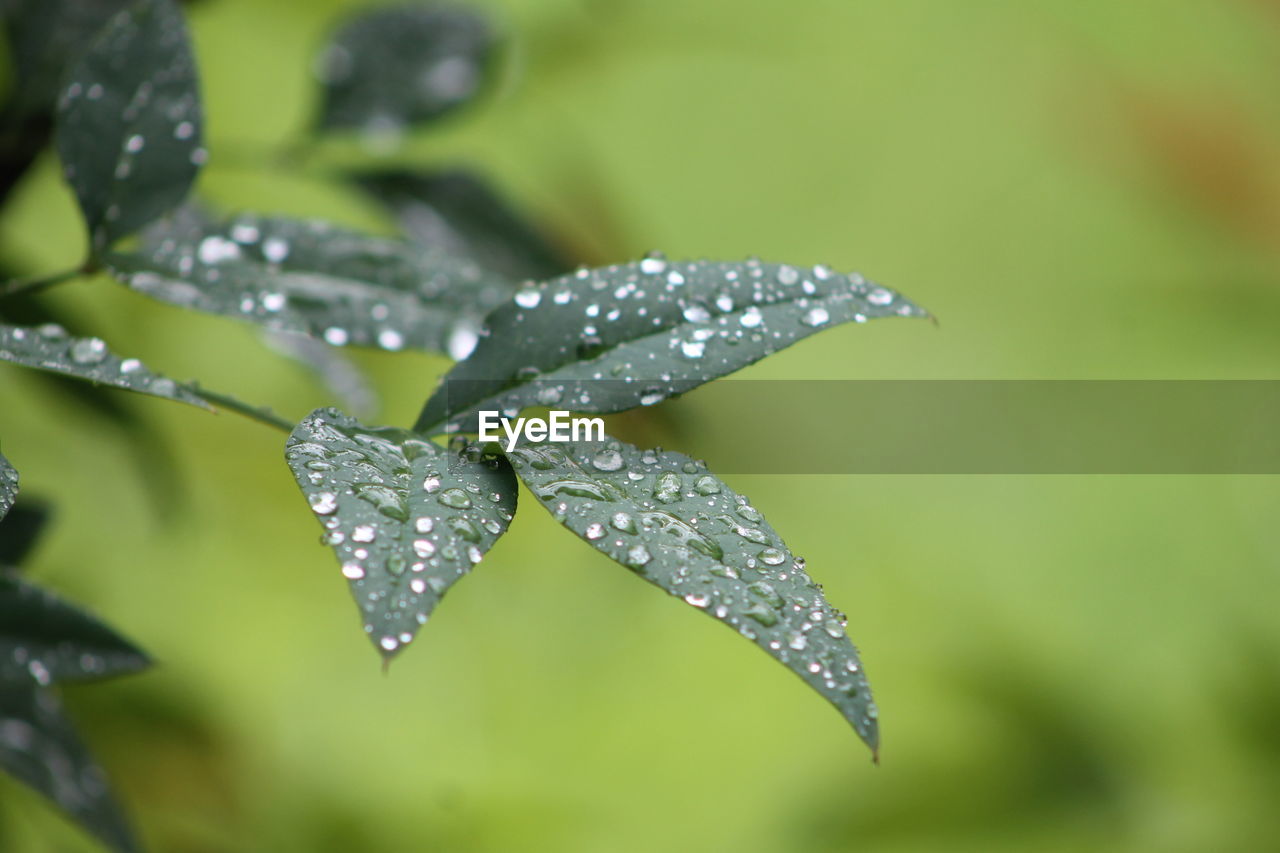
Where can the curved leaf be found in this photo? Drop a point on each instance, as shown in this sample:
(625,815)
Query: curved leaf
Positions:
(40,748)
(129,121)
(654,328)
(391,68)
(317,279)
(405,517)
(8,486)
(668,519)
(50,348)
(20,530)
(45,640)
(462,214)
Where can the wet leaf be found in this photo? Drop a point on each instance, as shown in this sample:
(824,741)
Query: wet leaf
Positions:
(129,122)
(45,640)
(316,279)
(462,214)
(8,486)
(51,348)
(673,523)
(651,329)
(40,748)
(20,529)
(394,67)
(405,517)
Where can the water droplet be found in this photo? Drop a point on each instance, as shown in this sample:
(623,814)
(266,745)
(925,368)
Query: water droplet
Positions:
(653,265)
(707,485)
(323,503)
(594,531)
(88,351)
(879,296)
(389,643)
(607,460)
(624,522)
(455,498)
(697,599)
(364,533)
(788,275)
(424,524)
(353,571)
(751,318)
(529,298)
(693,349)
(697,314)
(772,557)
(815,316)
(638,556)
(423,548)
(336,336)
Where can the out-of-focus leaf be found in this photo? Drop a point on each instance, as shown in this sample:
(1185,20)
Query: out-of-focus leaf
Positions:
(394,67)
(129,121)
(462,214)
(46,640)
(314,278)
(654,328)
(405,517)
(40,748)
(673,523)
(347,382)
(8,486)
(20,529)
(50,348)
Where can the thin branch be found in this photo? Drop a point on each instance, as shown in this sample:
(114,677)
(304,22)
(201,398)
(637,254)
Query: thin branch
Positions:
(27,285)
(262,415)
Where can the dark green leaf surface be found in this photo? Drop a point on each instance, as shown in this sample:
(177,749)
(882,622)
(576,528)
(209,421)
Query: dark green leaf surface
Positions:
(129,122)
(45,640)
(673,523)
(40,748)
(316,279)
(50,348)
(391,68)
(8,486)
(20,529)
(405,517)
(462,214)
(44,37)
(651,330)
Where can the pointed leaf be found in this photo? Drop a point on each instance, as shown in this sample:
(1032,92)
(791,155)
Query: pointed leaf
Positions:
(391,68)
(20,530)
(656,328)
(129,122)
(317,279)
(462,214)
(50,348)
(668,519)
(40,748)
(405,517)
(8,486)
(45,640)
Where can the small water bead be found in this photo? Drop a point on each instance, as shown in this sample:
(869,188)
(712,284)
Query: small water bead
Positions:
(797,641)
(697,314)
(529,298)
(456,498)
(88,351)
(751,318)
(607,460)
(465,529)
(772,557)
(879,296)
(474,554)
(693,349)
(396,565)
(364,533)
(751,534)
(594,531)
(424,524)
(390,339)
(423,548)
(724,302)
(674,278)
(431,484)
(332,538)
(652,397)
(638,556)
(697,599)
(816,316)
(389,643)
(134,143)
(130,365)
(653,265)
(274,302)
(707,485)
(323,503)
(833,628)
(418,585)
(335,336)
(762,614)
(353,571)
(766,593)
(788,275)
(624,522)
(749,512)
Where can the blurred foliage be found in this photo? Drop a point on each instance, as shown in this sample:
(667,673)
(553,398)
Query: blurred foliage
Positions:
(1076,189)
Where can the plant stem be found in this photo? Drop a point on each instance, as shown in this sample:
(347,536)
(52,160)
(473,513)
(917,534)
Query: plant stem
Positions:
(15,286)
(231,404)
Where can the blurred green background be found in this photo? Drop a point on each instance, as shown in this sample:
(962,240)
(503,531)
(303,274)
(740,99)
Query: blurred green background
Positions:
(1077,189)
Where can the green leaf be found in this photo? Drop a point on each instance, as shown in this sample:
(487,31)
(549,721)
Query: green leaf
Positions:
(129,122)
(316,279)
(50,348)
(46,640)
(8,486)
(673,523)
(651,330)
(462,214)
(44,37)
(40,748)
(391,68)
(20,529)
(405,517)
